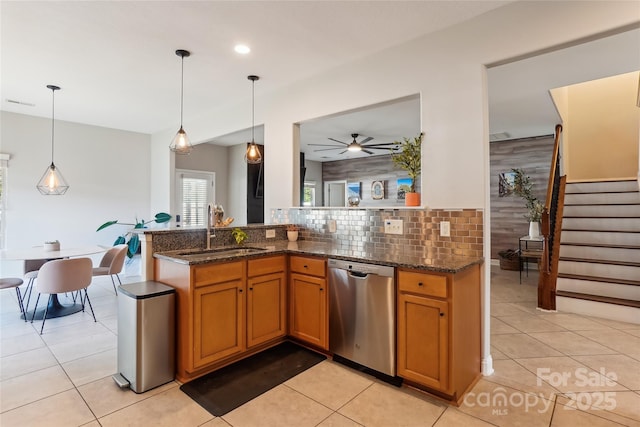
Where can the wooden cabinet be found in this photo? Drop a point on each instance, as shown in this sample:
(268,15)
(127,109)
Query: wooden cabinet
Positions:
(439,330)
(224,310)
(218,322)
(266,299)
(308,300)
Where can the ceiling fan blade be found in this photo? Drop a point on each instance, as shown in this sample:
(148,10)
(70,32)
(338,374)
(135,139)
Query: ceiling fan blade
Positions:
(325,145)
(367,151)
(367,139)
(343,152)
(381,145)
(343,143)
(327,149)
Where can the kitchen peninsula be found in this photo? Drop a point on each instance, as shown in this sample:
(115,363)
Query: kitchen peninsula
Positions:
(235,303)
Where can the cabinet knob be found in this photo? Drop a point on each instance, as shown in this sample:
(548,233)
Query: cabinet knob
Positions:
(441,314)
(419,283)
(250,289)
(322,289)
(240,290)
(305,266)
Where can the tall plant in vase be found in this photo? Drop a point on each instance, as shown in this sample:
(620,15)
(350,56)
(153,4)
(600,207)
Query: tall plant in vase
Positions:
(409,159)
(523,187)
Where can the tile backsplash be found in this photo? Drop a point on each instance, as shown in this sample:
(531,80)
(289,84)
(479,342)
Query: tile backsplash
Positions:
(362,228)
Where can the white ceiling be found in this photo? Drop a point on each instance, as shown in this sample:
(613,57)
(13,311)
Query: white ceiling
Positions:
(116,65)
(115,60)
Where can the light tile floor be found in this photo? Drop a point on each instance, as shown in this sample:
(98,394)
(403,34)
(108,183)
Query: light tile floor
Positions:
(551,369)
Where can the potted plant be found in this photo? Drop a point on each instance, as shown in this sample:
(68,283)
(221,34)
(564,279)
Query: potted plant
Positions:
(239,235)
(523,187)
(292,232)
(409,159)
(134,239)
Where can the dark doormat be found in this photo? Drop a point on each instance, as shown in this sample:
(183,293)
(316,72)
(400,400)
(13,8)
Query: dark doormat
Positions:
(227,388)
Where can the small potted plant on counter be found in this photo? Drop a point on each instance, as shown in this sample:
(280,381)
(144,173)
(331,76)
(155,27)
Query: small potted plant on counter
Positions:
(239,235)
(292,232)
(409,159)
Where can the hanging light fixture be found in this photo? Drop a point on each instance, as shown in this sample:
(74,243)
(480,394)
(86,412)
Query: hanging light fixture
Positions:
(181,143)
(253,155)
(52,182)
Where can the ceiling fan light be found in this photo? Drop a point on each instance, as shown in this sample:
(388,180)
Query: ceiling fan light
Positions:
(354,147)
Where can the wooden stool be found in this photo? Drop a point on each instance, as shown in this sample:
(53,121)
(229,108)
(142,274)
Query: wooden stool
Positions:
(13,282)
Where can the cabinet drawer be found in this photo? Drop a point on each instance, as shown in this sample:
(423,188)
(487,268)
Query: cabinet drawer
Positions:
(306,265)
(422,283)
(218,273)
(266,265)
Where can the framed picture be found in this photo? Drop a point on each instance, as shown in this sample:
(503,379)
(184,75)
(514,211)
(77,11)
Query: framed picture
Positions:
(404,186)
(377,190)
(505,183)
(353,189)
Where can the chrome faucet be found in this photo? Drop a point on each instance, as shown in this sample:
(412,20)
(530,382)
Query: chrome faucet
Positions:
(210,224)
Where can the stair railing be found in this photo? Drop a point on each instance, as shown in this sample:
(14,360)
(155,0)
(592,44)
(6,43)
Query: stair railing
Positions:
(551,228)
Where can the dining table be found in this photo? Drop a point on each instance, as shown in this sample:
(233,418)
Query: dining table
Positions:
(55,307)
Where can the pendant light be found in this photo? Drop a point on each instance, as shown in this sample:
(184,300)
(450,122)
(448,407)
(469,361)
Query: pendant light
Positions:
(181,143)
(52,182)
(253,155)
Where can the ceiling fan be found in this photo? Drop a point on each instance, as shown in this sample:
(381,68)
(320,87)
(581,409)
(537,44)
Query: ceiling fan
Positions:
(356,146)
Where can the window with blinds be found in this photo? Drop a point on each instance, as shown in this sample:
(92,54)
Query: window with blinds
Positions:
(194,192)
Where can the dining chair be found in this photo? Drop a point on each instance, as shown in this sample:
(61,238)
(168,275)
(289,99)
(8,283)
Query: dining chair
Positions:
(30,274)
(112,263)
(64,275)
(13,282)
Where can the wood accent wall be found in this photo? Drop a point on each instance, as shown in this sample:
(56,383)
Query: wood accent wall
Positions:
(533,155)
(366,170)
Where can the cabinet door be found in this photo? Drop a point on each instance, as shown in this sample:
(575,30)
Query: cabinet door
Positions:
(423,340)
(308,309)
(218,322)
(266,311)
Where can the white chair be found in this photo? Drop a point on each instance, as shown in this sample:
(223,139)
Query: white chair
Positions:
(112,263)
(14,282)
(64,275)
(30,269)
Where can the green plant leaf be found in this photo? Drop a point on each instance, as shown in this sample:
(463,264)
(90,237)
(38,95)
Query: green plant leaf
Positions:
(107,224)
(134,244)
(139,224)
(162,217)
(119,241)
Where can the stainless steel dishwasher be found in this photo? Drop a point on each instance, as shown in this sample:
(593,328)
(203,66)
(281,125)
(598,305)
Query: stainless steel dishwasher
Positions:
(362,309)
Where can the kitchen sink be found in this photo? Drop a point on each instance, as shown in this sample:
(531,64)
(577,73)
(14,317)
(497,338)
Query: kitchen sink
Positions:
(214,252)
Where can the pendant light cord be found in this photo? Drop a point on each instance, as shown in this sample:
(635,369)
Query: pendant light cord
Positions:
(253,110)
(181,89)
(53,119)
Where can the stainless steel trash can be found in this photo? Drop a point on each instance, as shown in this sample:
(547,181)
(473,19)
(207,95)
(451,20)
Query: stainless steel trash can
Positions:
(146,335)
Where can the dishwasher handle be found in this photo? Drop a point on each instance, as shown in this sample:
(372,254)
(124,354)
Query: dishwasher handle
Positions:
(358,274)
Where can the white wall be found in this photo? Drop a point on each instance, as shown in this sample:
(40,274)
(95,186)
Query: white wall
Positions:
(314,173)
(108,175)
(237,185)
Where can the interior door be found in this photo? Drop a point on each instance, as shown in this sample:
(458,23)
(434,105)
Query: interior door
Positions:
(335,193)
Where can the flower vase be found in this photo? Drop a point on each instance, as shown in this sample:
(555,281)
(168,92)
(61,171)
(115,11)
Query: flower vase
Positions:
(292,235)
(534,229)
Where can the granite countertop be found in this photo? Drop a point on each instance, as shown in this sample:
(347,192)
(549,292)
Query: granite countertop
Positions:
(426,259)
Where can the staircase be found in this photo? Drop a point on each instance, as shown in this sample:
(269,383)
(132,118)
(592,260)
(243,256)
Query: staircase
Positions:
(599,266)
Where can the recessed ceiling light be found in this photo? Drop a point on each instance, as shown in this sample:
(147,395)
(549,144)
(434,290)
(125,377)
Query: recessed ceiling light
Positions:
(242,49)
